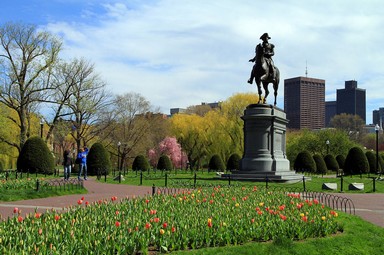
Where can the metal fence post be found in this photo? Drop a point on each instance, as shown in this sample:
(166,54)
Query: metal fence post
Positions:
(341,183)
(374,184)
(194,181)
(304,183)
(166,179)
(141,177)
(229,180)
(153,189)
(119,176)
(37,185)
(266,182)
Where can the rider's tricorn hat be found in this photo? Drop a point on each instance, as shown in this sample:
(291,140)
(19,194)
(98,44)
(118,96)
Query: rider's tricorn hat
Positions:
(265,35)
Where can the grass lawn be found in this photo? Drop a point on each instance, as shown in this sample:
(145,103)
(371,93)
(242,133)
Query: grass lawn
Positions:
(359,237)
(15,195)
(186,179)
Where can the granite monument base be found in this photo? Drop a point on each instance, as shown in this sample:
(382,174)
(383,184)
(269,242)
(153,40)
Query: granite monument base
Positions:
(264,146)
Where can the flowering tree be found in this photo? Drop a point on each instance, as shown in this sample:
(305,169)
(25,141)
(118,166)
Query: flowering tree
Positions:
(170,147)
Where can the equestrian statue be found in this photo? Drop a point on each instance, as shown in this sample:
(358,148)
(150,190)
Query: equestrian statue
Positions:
(264,70)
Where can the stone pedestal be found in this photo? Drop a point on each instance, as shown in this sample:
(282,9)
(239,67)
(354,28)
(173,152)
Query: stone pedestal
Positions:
(264,145)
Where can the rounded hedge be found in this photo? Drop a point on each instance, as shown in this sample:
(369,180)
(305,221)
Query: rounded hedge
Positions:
(164,163)
(371,157)
(140,163)
(233,162)
(331,162)
(35,157)
(341,161)
(356,162)
(216,163)
(304,162)
(321,167)
(98,159)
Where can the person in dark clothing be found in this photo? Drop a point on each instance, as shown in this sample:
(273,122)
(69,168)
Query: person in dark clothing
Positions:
(67,163)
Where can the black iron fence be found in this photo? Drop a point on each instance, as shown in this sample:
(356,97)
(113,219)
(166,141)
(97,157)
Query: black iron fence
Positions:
(12,174)
(59,184)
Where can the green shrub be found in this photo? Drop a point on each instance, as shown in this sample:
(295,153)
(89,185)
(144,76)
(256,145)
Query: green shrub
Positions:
(216,163)
(233,162)
(98,159)
(1,166)
(164,163)
(341,161)
(304,162)
(35,157)
(371,157)
(140,163)
(321,167)
(356,162)
(331,162)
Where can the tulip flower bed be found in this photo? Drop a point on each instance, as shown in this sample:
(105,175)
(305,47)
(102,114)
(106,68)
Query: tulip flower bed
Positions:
(188,220)
(17,184)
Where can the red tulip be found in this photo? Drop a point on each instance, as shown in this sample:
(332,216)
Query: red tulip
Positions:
(117,224)
(19,219)
(15,210)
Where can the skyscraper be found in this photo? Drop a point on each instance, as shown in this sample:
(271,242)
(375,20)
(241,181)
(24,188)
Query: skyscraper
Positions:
(304,102)
(351,100)
(378,117)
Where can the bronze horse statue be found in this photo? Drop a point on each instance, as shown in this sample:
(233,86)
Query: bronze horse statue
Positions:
(263,75)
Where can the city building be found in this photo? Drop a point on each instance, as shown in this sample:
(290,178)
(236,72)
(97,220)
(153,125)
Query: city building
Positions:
(330,111)
(351,100)
(378,117)
(177,110)
(304,102)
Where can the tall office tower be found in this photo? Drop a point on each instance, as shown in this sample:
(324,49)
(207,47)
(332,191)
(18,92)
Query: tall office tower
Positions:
(330,112)
(351,100)
(304,102)
(378,117)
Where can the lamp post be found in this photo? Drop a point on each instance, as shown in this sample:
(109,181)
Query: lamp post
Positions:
(118,155)
(377,128)
(41,127)
(327,143)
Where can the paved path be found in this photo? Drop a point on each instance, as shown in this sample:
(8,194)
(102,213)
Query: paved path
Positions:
(96,191)
(370,207)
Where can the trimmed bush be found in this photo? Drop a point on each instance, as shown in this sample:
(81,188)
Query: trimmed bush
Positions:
(321,167)
(164,163)
(304,162)
(35,157)
(140,163)
(331,162)
(356,162)
(341,161)
(216,163)
(371,157)
(98,159)
(233,162)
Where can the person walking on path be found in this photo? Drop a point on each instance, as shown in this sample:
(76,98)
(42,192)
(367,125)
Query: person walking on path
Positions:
(82,159)
(67,163)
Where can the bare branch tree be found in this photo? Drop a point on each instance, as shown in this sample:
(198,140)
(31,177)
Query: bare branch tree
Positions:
(26,55)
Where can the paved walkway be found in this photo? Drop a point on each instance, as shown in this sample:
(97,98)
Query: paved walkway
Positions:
(370,207)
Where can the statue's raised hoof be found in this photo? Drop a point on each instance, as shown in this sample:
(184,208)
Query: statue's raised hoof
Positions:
(249,81)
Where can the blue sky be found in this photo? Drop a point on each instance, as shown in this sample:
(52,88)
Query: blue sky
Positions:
(178,53)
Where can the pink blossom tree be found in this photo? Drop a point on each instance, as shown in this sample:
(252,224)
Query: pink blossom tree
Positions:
(170,147)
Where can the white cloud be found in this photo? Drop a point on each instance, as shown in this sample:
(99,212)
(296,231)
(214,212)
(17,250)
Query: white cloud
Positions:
(179,53)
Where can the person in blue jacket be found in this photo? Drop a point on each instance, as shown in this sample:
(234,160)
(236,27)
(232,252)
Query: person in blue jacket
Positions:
(82,159)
